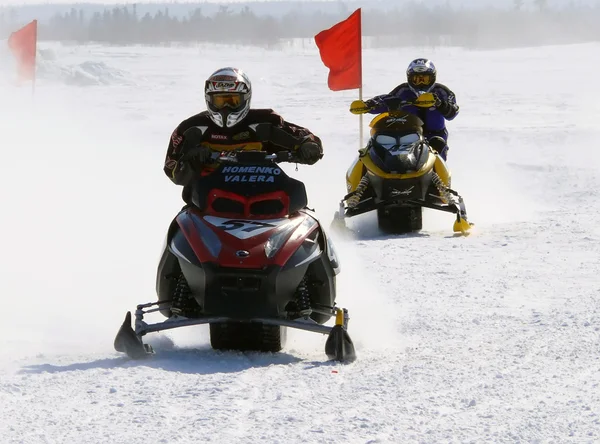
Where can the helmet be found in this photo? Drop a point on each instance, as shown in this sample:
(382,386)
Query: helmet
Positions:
(421,75)
(227,93)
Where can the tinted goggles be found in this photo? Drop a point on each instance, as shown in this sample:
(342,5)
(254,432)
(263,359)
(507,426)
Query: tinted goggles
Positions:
(231,100)
(421,79)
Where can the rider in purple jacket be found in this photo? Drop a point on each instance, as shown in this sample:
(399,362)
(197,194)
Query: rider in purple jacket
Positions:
(421,78)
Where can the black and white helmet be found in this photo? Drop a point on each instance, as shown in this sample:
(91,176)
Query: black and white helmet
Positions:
(227,93)
(421,75)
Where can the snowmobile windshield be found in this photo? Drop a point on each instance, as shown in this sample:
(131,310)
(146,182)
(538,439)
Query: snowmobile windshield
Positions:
(397,143)
(398,152)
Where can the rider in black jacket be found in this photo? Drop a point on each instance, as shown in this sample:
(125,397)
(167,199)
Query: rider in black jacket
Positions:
(229,124)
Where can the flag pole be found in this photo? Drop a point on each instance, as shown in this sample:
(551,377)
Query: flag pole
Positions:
(34,59)
(360,121)
(360,89)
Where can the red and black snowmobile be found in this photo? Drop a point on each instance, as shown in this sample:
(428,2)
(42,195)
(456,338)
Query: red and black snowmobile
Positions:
(250,259)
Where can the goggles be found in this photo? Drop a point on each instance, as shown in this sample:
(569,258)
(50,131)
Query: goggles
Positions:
(231,100)
(421,79)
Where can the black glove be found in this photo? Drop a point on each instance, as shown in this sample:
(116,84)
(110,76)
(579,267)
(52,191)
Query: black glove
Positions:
(197,153)
(310,152)
(396,103)
(442,106)
(371,104)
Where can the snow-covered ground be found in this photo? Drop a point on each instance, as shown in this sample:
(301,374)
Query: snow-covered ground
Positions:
(493,337)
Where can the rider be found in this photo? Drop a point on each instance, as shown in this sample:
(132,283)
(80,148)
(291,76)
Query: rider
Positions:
(229,124)
(421,79)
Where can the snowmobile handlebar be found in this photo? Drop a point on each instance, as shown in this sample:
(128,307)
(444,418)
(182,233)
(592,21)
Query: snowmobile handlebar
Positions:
(397,104)
(265,132)
(255,157)
(425,100)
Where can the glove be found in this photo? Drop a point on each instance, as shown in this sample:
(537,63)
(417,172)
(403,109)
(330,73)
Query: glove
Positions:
(198,153)
(395,103)
(370,104)
(310,152)
(442,106)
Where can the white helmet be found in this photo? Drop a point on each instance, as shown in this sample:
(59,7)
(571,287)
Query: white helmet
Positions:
(228,92)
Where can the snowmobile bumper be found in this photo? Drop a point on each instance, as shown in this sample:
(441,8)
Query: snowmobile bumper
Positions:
(461,224)
(338,347)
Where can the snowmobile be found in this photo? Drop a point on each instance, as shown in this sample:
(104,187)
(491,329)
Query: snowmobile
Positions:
(249,259)
(399,173)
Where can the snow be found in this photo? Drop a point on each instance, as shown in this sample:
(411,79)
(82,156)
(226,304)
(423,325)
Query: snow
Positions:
(494,337)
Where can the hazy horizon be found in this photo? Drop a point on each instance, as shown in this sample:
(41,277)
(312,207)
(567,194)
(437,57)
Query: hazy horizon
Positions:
(364,3)
(272,23)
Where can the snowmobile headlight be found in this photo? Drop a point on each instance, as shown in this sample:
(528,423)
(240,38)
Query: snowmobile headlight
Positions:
(407,158)
(310,249)
(279,238)
(406,153)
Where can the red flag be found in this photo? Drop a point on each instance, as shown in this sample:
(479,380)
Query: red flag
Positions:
(23,45)
(341,51)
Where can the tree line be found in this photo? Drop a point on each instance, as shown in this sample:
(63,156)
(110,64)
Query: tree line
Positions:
(412,25)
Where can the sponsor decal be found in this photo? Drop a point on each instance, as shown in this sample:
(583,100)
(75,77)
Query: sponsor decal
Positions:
(391,120)
(394,192)
(242,136)
(218,137)
(244,229)
(224,85)
(176,139)
(242,174)
(420,65)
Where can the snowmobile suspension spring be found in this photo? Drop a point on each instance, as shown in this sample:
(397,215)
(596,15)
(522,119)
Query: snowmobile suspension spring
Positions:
(303,298)
(360,189)
(443,189)
(180,295)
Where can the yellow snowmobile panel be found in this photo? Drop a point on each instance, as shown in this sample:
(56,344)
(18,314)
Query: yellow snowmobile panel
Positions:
(385,115)
(441,169)
(354,174)
(357,171)
(396,120)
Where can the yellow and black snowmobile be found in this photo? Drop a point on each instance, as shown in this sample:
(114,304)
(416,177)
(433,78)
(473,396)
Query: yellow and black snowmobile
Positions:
(399,173)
